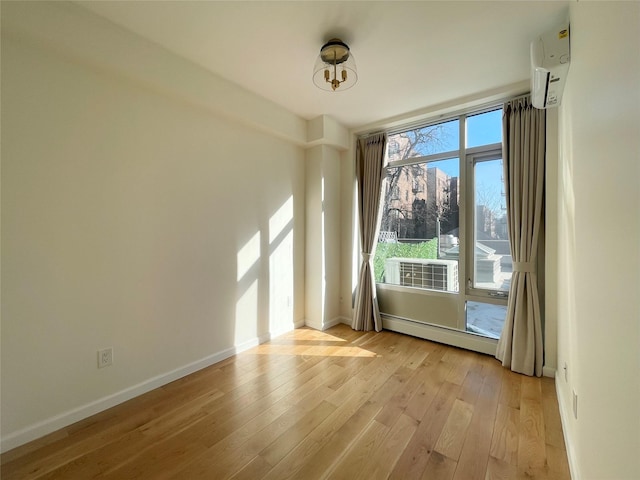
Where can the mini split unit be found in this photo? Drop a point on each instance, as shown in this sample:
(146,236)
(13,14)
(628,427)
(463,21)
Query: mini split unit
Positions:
(550,57)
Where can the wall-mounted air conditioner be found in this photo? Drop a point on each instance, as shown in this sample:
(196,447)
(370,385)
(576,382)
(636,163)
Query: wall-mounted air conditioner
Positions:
(550,57)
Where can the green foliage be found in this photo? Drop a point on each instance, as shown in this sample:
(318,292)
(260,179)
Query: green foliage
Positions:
(403,250)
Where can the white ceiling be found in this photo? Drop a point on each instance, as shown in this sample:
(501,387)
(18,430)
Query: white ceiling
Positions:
(410,55)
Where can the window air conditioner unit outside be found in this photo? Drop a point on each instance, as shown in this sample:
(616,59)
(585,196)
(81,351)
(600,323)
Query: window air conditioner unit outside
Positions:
(422,273)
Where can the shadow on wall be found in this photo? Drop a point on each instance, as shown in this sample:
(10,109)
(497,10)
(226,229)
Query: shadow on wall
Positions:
(272,291)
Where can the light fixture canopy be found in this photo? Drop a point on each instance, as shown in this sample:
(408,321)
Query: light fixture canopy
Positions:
(335,68)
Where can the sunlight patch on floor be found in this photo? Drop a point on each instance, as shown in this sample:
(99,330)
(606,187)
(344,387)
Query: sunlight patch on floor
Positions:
(310,334)
(312,351)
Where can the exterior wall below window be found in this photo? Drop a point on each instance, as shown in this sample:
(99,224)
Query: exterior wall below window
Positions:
(442,308)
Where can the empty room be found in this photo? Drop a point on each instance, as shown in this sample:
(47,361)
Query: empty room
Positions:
(320,240)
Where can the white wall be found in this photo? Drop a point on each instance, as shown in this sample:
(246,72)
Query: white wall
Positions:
(137,221)
(599,242)
(550,282)
(322,249)
(349,242)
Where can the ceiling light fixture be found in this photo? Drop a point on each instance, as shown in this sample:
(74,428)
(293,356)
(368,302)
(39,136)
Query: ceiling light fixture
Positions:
(335,67)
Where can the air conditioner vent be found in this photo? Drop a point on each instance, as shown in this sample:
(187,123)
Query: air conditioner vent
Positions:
(431,274)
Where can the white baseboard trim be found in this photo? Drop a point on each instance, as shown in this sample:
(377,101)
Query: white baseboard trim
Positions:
(333,322)
(276,333)
(549,372)
(40,429)
(565,416)
(311,324)
(328,324)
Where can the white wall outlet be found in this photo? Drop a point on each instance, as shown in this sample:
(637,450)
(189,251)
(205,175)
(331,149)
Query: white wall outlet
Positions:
(575,405)
(105,357)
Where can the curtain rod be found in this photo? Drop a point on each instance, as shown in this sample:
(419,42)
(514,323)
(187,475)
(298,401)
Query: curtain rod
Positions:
(438,119)
(517,97)
(370,134)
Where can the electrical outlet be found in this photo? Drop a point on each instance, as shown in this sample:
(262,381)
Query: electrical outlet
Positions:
(566,372)
(105,357)
(575,405)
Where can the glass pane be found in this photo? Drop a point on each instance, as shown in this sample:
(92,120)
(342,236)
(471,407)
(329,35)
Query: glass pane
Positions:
(418,242)
(484,129)
(492,255)
(443,137)
(485,318)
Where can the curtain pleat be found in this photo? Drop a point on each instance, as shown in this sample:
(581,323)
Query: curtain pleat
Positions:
(370,158)
(520,347)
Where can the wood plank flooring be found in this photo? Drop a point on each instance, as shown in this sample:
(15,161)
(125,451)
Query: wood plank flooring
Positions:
(337,404)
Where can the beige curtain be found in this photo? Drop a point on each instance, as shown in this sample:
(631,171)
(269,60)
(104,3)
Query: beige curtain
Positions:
(524,137)
(369,173)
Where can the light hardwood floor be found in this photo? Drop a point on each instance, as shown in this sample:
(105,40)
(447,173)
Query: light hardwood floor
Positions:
(337,404)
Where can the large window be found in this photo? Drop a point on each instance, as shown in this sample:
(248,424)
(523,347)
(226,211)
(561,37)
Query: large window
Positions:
(419,225)
(443,220)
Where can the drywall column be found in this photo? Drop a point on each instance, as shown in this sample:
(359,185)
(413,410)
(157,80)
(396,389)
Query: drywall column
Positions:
(327,139)
(322,257)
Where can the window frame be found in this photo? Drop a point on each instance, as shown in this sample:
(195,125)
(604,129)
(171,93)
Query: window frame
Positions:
(467,158)
(433,314)
(426,159)
(465,203)
(475,156)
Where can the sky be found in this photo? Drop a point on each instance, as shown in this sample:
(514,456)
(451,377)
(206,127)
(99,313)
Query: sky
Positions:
(483,129)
